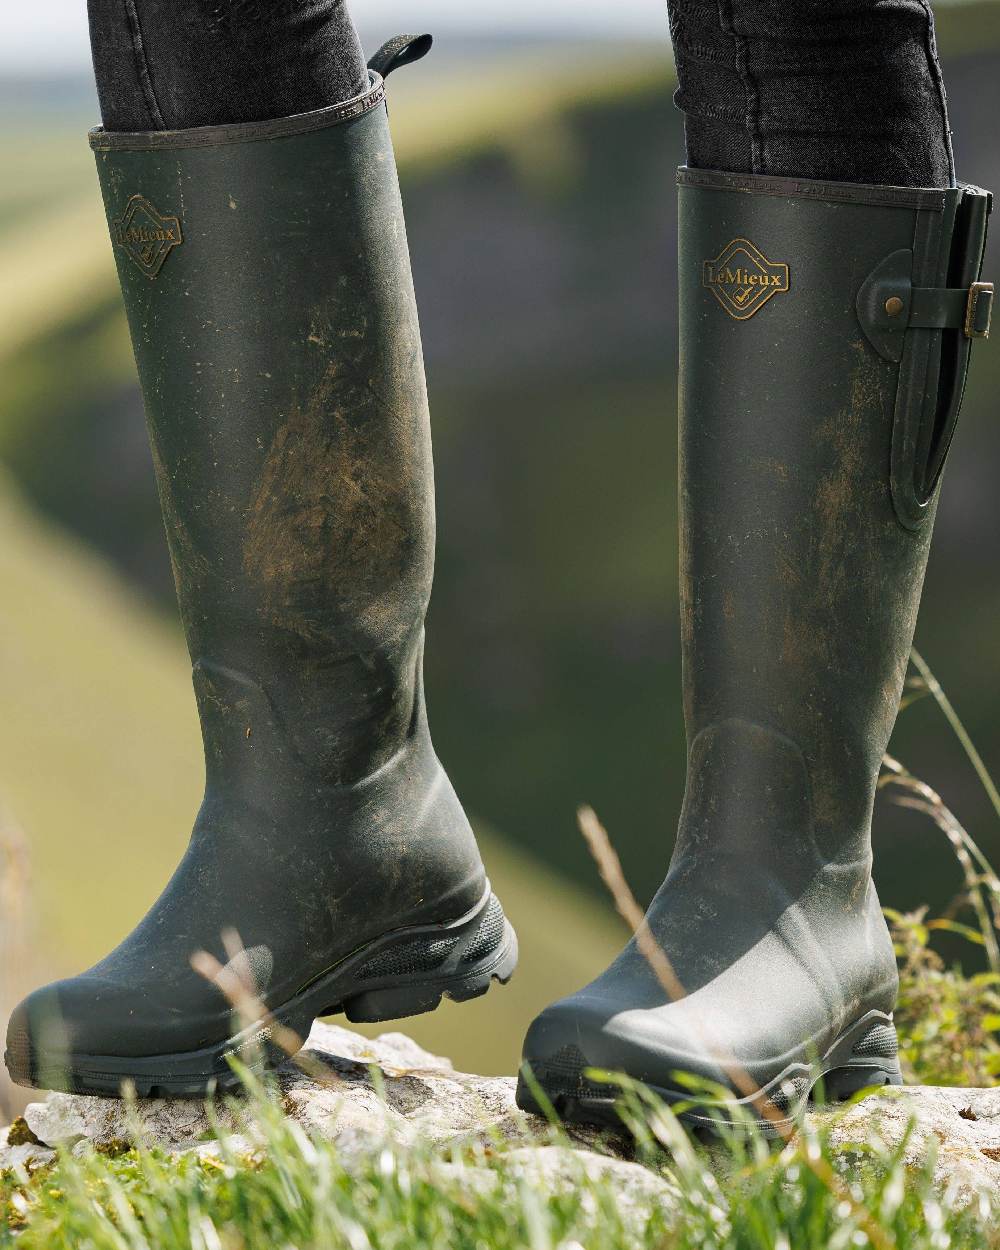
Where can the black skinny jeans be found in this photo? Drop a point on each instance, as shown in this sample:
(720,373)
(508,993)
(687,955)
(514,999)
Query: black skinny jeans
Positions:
(170,64)
(837,89)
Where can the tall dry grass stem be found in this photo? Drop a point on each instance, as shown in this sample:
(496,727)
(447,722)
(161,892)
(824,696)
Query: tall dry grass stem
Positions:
(961,733)
(981,882)
(235,981)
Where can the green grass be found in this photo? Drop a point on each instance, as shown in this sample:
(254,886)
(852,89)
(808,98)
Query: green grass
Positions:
(293,1191)
(948,1019)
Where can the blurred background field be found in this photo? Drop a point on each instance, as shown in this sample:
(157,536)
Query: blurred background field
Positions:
(538,179)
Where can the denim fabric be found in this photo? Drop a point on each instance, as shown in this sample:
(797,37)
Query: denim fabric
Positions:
(166,64)
(838,89)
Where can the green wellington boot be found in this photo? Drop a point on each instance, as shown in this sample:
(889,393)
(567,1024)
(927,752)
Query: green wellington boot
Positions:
(267,282)
(825,332)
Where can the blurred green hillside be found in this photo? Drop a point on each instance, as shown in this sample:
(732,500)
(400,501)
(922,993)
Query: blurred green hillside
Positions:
(540,206)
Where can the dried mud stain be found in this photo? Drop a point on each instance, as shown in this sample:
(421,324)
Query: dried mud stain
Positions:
(845,547)
(850,642)
(337,530)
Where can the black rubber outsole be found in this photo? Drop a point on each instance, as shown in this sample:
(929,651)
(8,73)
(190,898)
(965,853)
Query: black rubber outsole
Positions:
(404,973)
(865,1055)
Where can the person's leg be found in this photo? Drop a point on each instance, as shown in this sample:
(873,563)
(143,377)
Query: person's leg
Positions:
(172,64)
(849,90)
(826,315)
(262,255)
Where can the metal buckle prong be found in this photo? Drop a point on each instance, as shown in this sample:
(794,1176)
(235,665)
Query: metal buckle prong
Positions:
(977,291)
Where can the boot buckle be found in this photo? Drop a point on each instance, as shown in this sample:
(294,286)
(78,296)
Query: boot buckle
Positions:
(979,310)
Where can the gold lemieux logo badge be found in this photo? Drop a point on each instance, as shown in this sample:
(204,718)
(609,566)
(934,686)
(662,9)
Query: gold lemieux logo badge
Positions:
(146,235)
(742,279)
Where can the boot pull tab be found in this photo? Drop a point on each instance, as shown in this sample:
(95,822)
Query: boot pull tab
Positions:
(400,51)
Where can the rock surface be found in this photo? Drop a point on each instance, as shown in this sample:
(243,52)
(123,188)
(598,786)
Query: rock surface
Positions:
(413,1096)
(416,1096)
(421,1096)
(961,1127)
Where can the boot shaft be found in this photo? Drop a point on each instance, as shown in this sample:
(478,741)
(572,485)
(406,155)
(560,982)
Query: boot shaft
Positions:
(818,392)
(267,284)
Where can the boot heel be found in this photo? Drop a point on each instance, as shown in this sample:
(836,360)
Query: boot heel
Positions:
(397,1002)
(872,1062)
(411,976)
(844,1083)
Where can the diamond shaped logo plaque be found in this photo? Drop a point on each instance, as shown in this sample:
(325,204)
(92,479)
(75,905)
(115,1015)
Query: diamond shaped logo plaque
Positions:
(742,279)
(146,235)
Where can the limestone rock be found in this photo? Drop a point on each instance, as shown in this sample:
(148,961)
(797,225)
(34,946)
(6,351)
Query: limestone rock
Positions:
(638,1192)
(415,1096)
(26,1155)
(960,1126)
(551,1168)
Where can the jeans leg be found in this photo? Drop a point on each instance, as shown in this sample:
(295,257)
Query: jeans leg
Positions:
(171,64)
(848,90)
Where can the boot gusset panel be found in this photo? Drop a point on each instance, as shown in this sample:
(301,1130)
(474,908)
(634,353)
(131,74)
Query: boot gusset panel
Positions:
(747,803)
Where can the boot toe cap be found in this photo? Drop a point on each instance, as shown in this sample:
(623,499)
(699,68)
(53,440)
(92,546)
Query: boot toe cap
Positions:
(587,1031)
(85,1016)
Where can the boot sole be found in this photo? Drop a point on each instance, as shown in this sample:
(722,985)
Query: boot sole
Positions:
(864,1056)
(403,973)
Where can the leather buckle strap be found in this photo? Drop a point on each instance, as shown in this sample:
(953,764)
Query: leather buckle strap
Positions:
(888,305)
(946,308)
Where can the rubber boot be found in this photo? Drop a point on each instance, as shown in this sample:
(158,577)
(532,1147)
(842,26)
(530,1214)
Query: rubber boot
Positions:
(267,283)
(824,338)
